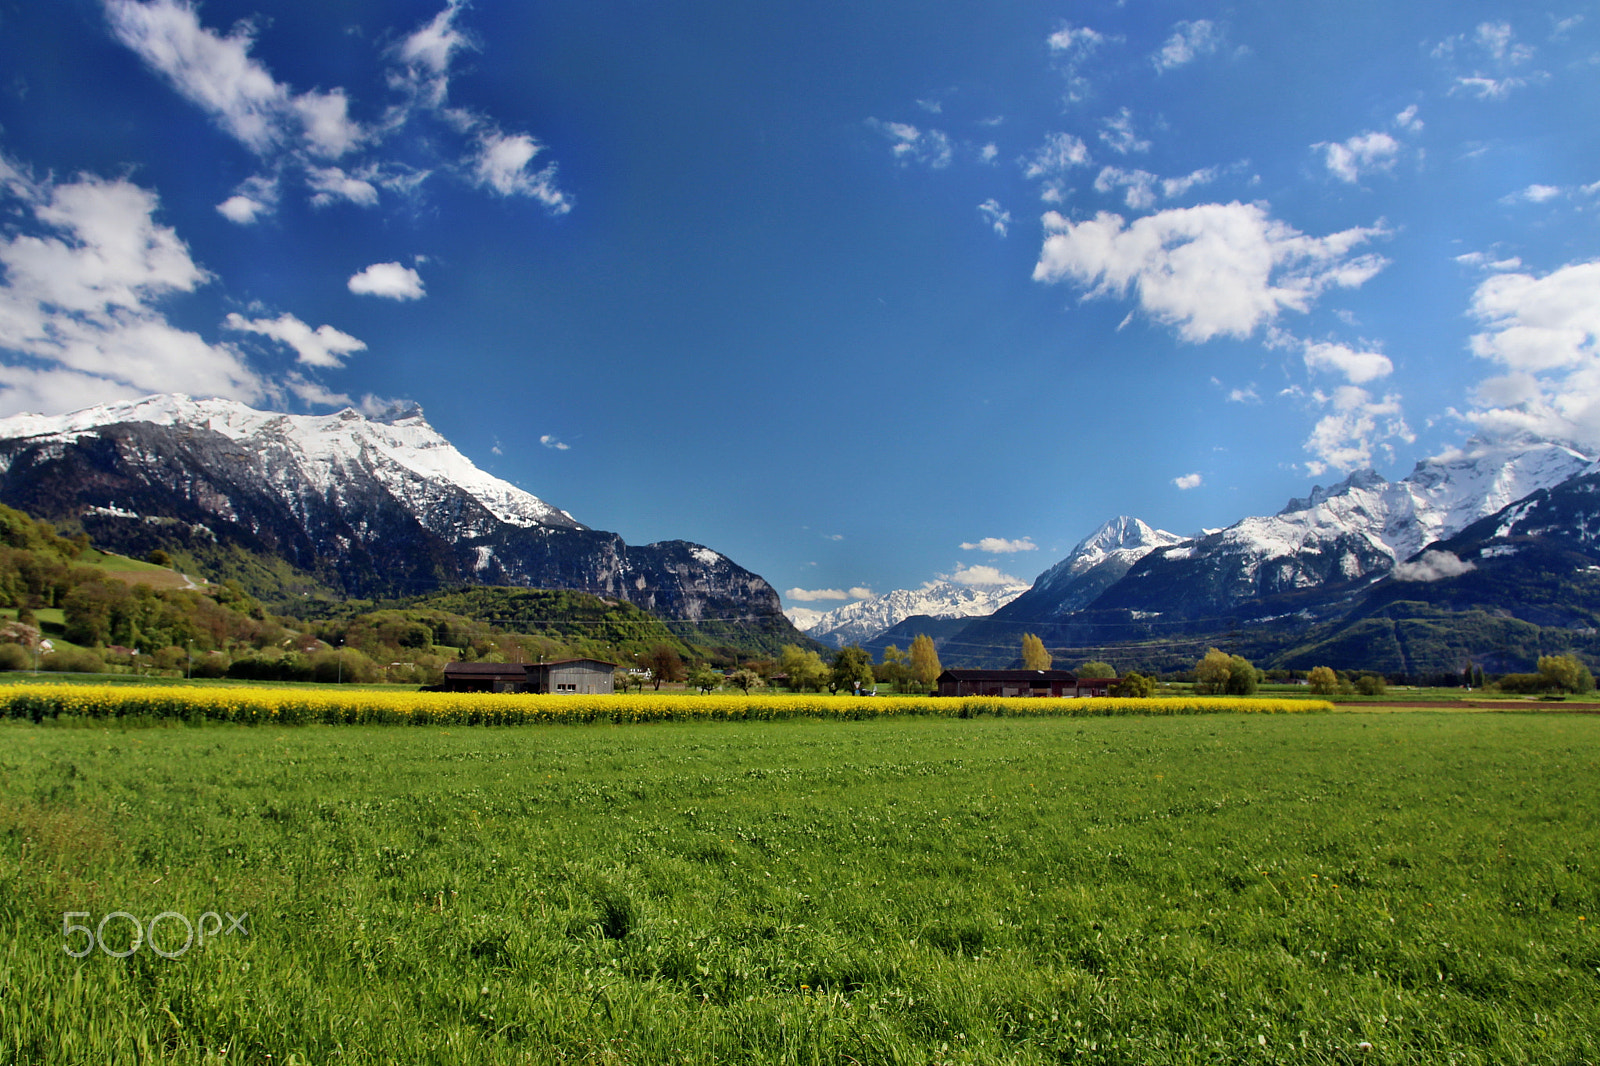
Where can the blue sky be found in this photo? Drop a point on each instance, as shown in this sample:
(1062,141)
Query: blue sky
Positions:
(860,295)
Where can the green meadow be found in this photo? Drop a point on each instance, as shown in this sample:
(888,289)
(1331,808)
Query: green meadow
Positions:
(1335,888)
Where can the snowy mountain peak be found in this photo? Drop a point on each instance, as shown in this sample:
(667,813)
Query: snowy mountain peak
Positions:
(1122,535)
(398,448)
(855,623)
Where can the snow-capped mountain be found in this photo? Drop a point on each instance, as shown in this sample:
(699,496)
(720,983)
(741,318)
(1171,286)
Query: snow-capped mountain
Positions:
(366,506)
(858,622)
(1097,562)
(1351,533)
(317,453)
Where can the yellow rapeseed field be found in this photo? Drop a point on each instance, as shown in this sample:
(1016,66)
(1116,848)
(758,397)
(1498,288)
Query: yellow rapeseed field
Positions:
(360,707)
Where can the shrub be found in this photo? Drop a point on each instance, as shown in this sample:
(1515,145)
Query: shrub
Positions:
(1371,685)
(73,661)
(15,657)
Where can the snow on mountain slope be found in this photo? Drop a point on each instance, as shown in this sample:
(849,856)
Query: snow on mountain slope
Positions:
(1358,529)
(399,449)
(861,621)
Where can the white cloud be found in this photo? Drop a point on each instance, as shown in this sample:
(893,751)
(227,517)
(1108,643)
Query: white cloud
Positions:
(859,593)
(988,153)
(912,145)
(1491,54)
(1206,270)
(996,216)
(214,72)
(1187,481)
(1189,41)
(1051,162)
(1001,546)
(1545,333)
(812,595)
(502,165)
(1433,566)
(1355,429)
(550,441)
(1363,154)
(1071,46)
(1357,367)
(1534,194)
(1407,120)
(332,184)
(323,346)
(1247,394)
(427,52)
(983,575)
(390,280)
(217,74)
(309,129)
(85,268)
(1117,133)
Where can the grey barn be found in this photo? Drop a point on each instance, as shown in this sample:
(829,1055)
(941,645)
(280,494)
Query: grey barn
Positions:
(565,675)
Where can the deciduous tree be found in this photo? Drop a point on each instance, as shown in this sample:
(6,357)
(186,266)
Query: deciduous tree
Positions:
(925,668)
(1034,655)
(852,669)
(1096,668)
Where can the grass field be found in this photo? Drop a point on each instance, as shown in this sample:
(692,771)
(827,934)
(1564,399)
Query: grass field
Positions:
(1352,887)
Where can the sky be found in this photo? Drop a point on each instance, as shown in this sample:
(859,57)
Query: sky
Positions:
(863,296)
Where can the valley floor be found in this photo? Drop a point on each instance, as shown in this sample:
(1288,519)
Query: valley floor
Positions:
(1373,887)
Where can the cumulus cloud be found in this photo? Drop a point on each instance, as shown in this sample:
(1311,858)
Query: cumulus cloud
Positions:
(1209,270)
(1356,427)
(426,53)
(1433,566)
(1189,41)
(550,441)
(1545,333)
(1001,546)
(912,145)
(1407,120)
(323,346)
(1187,481)
(812,595)
(983,575)
(1363,154)
(1358,367)
(84,270)
(389,280)
(998,218)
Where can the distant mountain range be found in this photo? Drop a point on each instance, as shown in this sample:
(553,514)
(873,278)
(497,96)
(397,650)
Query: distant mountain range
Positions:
(347,505)
(1484,554)
(855,623)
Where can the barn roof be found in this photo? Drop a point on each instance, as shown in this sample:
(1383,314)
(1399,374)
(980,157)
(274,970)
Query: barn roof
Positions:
(1008,675)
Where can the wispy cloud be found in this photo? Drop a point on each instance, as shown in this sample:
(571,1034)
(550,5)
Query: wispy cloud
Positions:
(910,144)
(998,218)
(552,443)
(1189,41)
(1351,160)
(1052,162)
(310,133)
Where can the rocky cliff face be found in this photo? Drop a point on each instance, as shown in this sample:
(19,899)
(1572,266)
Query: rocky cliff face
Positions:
(368,506)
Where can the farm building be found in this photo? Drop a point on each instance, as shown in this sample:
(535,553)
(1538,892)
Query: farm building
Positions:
(566,675)
(1020,683)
